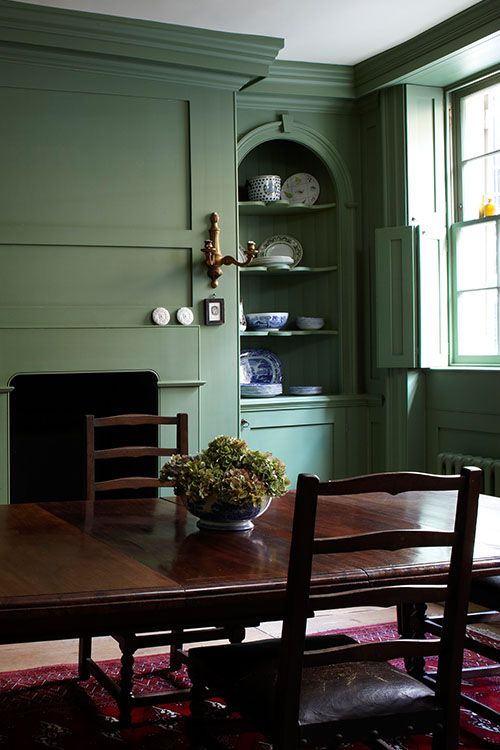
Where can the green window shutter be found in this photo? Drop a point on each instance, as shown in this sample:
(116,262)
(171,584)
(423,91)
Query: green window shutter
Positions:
(396,295)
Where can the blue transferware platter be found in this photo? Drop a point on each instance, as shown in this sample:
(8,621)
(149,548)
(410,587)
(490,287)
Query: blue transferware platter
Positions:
(265,366)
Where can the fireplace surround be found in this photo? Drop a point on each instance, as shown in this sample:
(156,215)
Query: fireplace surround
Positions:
(164,361)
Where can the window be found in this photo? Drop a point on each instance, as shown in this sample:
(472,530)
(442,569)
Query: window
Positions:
(475,232)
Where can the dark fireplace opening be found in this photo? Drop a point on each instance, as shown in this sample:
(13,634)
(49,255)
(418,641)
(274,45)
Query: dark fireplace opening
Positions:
(47,431)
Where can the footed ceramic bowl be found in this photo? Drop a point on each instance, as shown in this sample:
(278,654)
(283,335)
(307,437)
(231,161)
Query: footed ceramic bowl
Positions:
(309,324)
(266,320)
(216,515)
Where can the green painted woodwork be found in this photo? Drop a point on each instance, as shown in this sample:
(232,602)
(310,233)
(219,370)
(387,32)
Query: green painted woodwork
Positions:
(320,435)
(111,167)
(136,175)
(194,55)
(460,47)
(302,142)
(82,285)
(395,258)
(463,413)
(95,349)
(305,439)
(425,122)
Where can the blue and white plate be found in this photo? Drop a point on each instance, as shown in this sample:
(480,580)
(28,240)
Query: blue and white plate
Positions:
(265,366)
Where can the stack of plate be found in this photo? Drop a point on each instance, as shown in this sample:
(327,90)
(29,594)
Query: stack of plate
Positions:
(256,390)
(273,261)
(261,375)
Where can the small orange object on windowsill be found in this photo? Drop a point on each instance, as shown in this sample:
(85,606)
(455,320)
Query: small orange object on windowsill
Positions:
(489,208)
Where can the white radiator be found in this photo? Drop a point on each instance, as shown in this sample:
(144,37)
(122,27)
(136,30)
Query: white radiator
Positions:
(451,463)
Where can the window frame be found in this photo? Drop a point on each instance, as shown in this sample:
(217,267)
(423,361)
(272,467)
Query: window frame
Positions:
(455,217)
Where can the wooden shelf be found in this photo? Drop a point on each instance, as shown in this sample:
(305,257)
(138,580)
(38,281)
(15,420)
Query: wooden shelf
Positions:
(285,271)
(321,332)
(276,208)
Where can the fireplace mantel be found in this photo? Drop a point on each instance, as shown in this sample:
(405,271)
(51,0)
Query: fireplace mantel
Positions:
(172,353)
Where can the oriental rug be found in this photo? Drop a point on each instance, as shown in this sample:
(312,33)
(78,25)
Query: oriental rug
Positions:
(46,709)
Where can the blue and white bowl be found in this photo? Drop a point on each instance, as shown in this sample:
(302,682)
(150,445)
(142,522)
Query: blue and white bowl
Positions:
(266,321)
(264,187)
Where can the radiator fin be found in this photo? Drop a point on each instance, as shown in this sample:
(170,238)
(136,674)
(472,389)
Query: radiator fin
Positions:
(451,463)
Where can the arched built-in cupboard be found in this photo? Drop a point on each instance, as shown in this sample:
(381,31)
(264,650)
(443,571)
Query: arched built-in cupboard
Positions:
(307,432)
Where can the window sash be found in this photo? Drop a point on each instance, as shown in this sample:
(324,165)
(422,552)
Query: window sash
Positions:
(475,341)
(474,326)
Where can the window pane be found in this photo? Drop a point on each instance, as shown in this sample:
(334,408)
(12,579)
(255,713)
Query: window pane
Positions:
(480,122)
(477,323)
(476,256)
(480,179)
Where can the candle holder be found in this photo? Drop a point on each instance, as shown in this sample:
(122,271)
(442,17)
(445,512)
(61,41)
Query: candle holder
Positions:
(214,260)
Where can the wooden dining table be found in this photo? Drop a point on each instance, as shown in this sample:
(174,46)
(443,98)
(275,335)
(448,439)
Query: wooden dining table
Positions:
(144,565)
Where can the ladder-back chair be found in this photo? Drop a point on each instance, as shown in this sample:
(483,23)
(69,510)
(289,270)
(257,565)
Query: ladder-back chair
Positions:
(299,692)
(125,456)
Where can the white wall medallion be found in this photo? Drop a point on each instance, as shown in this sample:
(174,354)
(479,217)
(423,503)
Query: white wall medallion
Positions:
(160,316)
(184,316)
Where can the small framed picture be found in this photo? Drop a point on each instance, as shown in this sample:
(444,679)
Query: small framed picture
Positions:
(214,312)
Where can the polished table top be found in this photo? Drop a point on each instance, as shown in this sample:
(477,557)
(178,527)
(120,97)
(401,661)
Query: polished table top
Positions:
(144,563)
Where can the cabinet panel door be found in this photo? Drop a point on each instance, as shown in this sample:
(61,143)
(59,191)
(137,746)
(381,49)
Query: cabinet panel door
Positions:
(396,294)
(306,440)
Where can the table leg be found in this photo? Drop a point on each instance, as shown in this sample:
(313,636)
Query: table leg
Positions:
(126,696)
(84,654)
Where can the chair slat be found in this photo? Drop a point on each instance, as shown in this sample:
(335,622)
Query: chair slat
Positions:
(373,651)
(382,596)
(133,452)
(133,419)
(387,540)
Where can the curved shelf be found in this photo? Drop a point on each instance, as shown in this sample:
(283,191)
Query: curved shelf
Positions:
(322,332)
(285,271)
(276,208)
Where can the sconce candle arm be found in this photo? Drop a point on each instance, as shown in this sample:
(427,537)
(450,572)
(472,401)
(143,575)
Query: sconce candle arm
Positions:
(214,258)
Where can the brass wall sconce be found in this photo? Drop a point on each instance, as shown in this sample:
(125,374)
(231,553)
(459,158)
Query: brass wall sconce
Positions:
(214,259)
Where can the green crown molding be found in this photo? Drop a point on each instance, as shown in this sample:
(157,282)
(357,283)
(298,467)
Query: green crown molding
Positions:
(315,80)
(303,87)
(247,100)
(63,59)
(466,43)
(197,49)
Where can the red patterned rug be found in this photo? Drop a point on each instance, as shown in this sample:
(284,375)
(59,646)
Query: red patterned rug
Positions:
(44,709)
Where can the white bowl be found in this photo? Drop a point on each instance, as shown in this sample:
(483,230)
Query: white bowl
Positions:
(309,324)
(305,390)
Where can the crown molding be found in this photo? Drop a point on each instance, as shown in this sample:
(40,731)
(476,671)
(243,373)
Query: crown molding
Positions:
(241,56)
(315,80)
(64,60)
(466,43)
(296,103)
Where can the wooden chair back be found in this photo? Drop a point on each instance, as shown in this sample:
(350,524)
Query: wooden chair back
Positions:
(300,603)
(130,482)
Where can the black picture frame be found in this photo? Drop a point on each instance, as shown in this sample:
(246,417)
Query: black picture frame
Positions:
(214,311)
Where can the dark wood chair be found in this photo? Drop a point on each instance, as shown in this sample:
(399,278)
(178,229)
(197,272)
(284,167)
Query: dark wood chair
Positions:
(296,691)
(485,592)
(130,642)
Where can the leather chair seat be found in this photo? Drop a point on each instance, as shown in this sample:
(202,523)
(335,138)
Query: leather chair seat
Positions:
(339,692)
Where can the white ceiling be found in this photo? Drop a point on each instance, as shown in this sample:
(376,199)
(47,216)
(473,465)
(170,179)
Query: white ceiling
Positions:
(343,32)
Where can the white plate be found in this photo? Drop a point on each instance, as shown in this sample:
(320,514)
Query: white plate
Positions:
(301,188)
(280,245)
